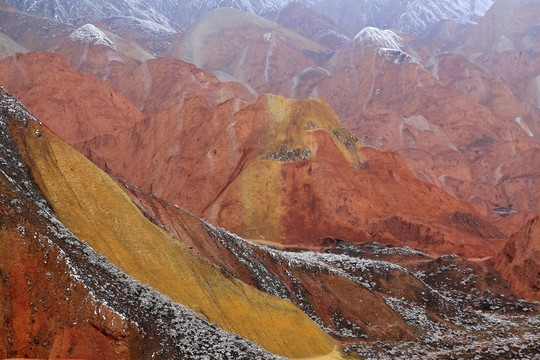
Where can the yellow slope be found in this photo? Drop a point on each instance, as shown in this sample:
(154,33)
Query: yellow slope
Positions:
(97,211)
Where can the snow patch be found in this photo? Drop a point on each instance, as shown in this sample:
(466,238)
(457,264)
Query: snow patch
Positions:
(89,34)
(380,38)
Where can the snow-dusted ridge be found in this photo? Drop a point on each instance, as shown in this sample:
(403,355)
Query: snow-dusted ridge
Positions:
(90,34)
(181,333)
(380,38)
(412,16)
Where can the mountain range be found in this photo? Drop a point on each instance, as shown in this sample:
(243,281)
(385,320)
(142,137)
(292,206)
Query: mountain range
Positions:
(159,18)
(260,180)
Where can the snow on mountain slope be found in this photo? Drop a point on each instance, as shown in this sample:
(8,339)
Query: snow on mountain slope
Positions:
(76,11)
(89,34)
(412,16)
(381,38)
(168,15)
(420,14)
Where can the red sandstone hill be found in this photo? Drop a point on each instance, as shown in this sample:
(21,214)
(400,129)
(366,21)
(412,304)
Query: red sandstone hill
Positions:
(222,158)
(74,248)
(76,107)
(239,168)
(91,50)
(518,261)
(456,125)
(355,293)
(158,84)
(256,51)
(448,139)
(60,298)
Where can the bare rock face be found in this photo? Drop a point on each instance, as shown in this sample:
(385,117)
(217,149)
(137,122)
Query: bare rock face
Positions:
(518,261)
(59,297)
(449,139)
(76,107)
(239,167)
(156,85)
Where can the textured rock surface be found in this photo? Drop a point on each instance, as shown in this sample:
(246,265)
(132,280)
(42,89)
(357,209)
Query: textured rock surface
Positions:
(89,203)
(518,261)
(60,299)
(244,164)
(76,107)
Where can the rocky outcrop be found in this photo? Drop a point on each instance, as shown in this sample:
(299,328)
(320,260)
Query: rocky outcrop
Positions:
(518,261)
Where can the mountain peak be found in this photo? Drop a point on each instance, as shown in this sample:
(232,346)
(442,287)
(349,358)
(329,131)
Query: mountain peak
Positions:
(90,34)
(380,38)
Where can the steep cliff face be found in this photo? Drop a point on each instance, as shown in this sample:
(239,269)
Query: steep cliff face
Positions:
(518,261)
(59,297)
